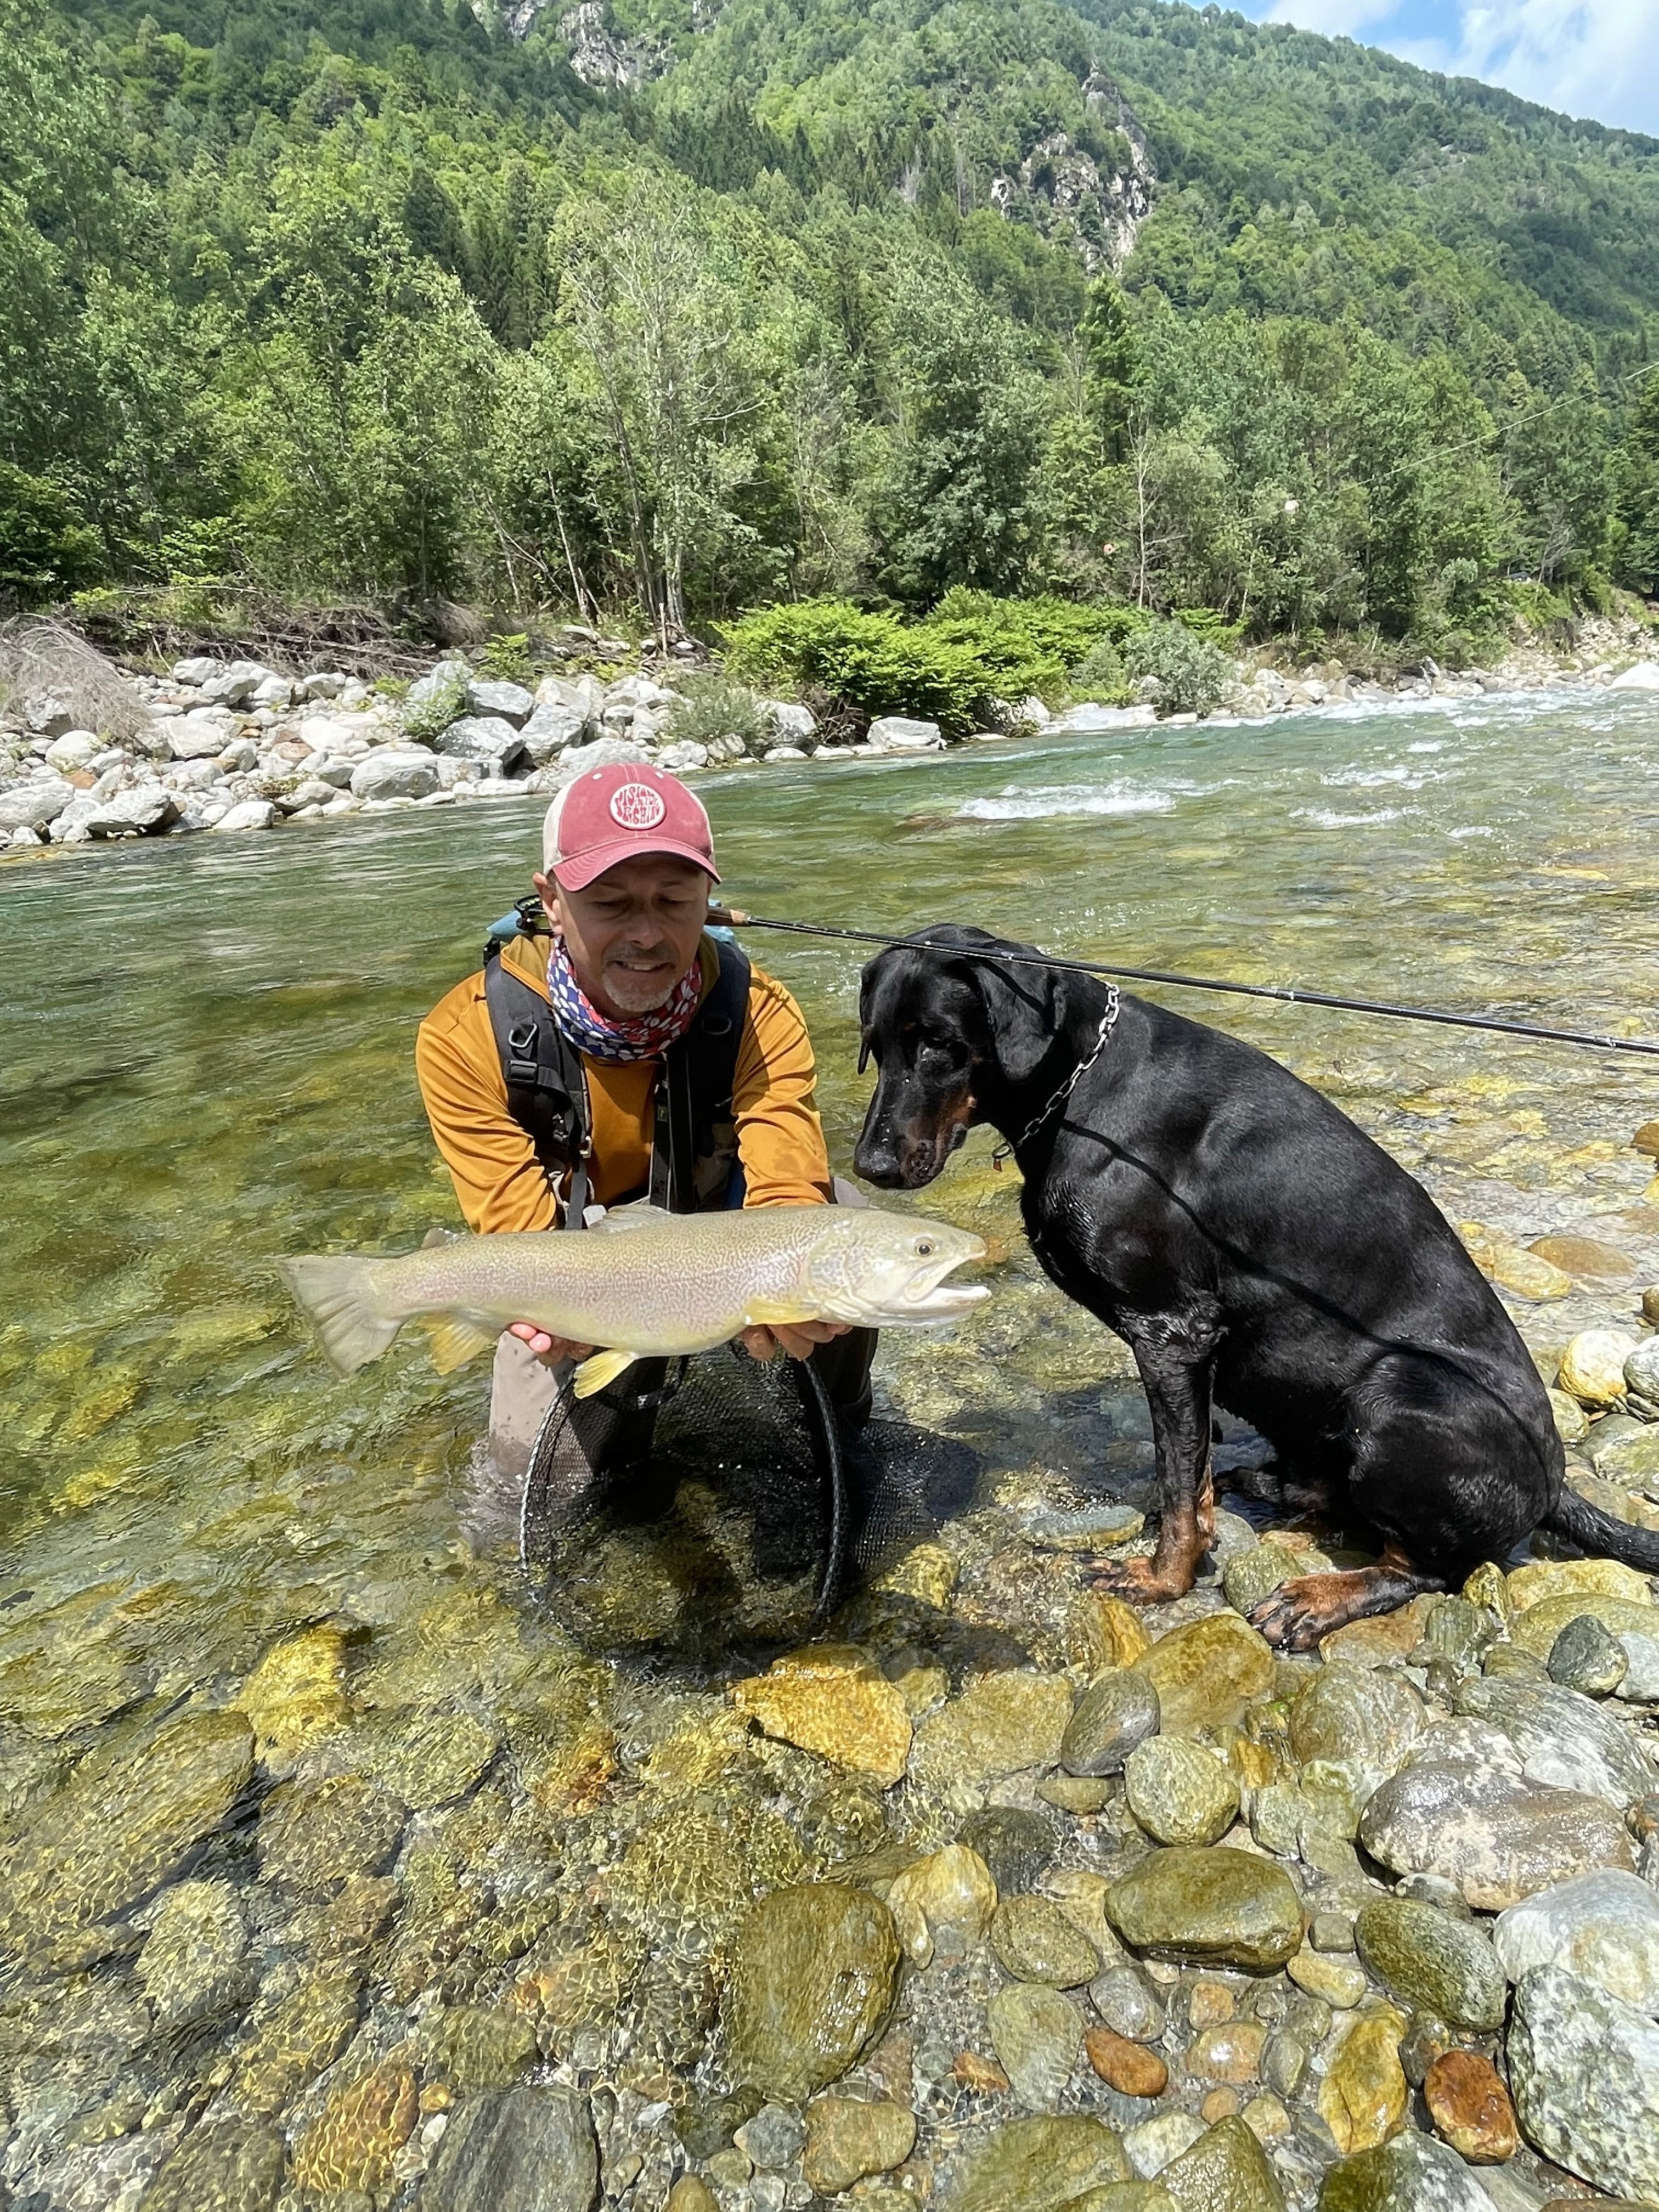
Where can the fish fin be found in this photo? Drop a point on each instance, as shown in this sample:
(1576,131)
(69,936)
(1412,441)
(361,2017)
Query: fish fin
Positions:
(456,1337)
(764,1312)
(603,1367)
(334,1293)
(440,1236)
(641,1214)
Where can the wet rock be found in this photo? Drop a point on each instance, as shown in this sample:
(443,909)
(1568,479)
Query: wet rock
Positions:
(1127,2002)
(313,1835)
(1589,1258)
(1413,2174)
(1564,1740)
(427,1759)
(1231,2052)
(1603,1928)
(192,1965)
(813,1979)
(1493,1834)
(1363,2097)
(1593,1366)
(1257,1573)
(223,2166)
(292,2045)
(1015,1845)
(1335,1981)
(1035,2032)
(1512,1266)
(998,1725)
(1178,1792)
(1432,1961)
(1471,2108)
(949,1893)
(523,2150)
(849,2139)
(1037,2166)
(1154,2142)
(1628,1457)
(1103,1631)
(1642,1379)
(1124,2065)
(1118,1711)
(1206,1674)
(1125,2196)
(478,2049)
(1226,2170)
(773,2138)
(1035,1942)
(1284,2061)
(355,2139)
(295,1695)
(1542,1580)
(832,1699)
(688,2194)
(1222,1906)
(1385,1639)
(1584,2074)
(1537,1629)
(1365,1720)
(1586,1658)
(396,772)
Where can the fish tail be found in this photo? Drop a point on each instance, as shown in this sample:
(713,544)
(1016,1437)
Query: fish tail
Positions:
(337,1295)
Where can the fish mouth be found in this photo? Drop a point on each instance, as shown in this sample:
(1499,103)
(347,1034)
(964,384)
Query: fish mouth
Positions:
(929,1296)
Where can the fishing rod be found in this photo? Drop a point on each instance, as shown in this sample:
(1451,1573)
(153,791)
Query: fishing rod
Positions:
(734,918)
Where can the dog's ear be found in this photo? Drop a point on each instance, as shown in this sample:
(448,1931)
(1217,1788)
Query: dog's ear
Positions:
(1024,1008)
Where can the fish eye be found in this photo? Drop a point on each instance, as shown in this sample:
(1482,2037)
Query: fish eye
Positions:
(924,1247)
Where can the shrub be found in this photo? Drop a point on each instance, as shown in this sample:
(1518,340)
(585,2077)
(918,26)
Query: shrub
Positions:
(712,705)
(872,663)
(1025,645)
(1186,674)
(431,715)
(1101,676)
(507,659)
(46,548)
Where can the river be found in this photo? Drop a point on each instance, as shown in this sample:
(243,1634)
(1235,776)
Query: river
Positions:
(206,1062)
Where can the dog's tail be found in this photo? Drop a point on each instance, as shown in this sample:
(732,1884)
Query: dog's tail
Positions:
(1583,1523)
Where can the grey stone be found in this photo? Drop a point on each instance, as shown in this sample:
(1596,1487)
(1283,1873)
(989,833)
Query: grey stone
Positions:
(393,773)
(1179,1791)
(1118,1711)
(202,734)
(1037,2033)
(248,814)
(323,683)
(1432,1961)
(1413,2174)
(684,753)
(1603,1926)
(1586,1658)
(576,760)
(520,2150)
(1358,1717)
(72,750)
(904,733)
(1563,1739)
(1463,1632)
(1152,2144)
(549,731)
(1221,1906)
(487,737)
(1285,2059)
(1496,1836)
(1584,2074)
(793,723)
(234,685)
(773,2138)
(197,670)
(1641,1682)
(446,677)
(35,804)
(491,697)
(1016,1844)
(143,811)
(1127,2002)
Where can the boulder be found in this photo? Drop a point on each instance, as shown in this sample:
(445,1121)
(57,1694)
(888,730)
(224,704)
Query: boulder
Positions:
(248,814)
(35,804)
(491,697)
(1603,1927)
(794,724)
(395,774)
(1584,2074)
(198,668)
(520,2150)
(1412,2173)
(447,676)
(813,1977)
(73,750)
(203,734)
(1494,1835)
(550,730)
(48,717)
(143,811)
(486,737)
(1643,676)
(234,686)
(903,733)
(322,683)
(576,760)
(272,691)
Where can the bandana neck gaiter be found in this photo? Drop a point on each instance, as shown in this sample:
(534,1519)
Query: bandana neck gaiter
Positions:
(635,1036)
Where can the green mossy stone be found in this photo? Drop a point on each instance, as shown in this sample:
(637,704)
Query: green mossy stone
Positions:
(1037,2033)
(1434,1962)
(1118,1711)
(1038,2165)
(1225,2170)
(1207,1673)
(224,2166)
(1035,1942)
(1218,1907)
(813,1978)
(473,2048)
(1178,1792)
(1360,1716)
(1413,2174)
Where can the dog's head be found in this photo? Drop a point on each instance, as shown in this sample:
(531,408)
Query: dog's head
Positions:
(950,1031)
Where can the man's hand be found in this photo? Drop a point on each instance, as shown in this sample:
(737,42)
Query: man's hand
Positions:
(547,1347)
(795,1338)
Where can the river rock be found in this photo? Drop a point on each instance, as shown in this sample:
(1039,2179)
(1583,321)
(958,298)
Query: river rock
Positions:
(247,815)
(834,1700)
(234,686)
(1584,2074)
(1336,1981)
(313,1835)
(1226,2170)
(232,2163)
(1470,2107)
(1433,1961)
(493,696)
(1593,1366)
(1152,2144)
(1363,2097)
(1412,2173)
(1640,676)
(1602,1927)
(576,760)
(525,2150)
(848,2138)
(1118,1711)
(203,734)
(1178,1792)
(550,730)
(1542,1581)
(192,1967)
(1252,1575)
(1016,1842)
(143,810)
(1538,1629)
(1588,1257)
(1511,1266)
(813,1978)
(1101,1631)
(489,738)
(1035,1942)
(948,1893)
(1035,2033)
(1037,2166)
(1564,1740)
(1207,1672)
(425,1760)
(1127,2002)
(295,1696)
(473,2047)
(354,2140)
(395,772)
(1641,1371)
(1365,1720)
(904,733)
(35,804)
(1585,1657)
(1123,2064)
(1220,1906)
(1629,1458)
(1494,1835)
(1000,1724)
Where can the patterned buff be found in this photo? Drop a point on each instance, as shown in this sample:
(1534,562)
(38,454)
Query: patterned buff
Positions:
(637,1037)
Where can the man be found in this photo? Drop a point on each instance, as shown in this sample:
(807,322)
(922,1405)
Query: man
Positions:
(625,1056)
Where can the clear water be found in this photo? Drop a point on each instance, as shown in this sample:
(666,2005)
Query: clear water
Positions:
(206,1062)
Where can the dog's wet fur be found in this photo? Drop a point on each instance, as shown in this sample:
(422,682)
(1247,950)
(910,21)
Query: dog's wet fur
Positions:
(1254,1249)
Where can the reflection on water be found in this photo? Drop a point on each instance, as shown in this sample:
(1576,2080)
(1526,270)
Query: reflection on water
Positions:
(206,1062)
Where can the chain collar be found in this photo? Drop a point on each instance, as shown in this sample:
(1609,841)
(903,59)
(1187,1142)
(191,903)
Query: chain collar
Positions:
(1010,1146)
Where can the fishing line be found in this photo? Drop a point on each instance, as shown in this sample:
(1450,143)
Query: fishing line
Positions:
(1648,1046)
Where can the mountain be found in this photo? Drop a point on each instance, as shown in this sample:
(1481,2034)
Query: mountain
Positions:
(691,305)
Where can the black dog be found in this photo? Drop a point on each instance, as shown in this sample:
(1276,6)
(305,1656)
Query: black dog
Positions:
(1250,1243)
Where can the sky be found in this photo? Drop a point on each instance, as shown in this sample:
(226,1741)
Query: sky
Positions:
(1586,57)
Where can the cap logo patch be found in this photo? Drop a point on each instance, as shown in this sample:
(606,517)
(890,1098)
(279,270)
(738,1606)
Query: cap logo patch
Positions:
(637,807)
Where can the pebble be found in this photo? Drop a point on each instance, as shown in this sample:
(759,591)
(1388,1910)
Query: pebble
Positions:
(813,1978)
(832,1699)
(525,2150)
(1338,1981)
(1284,2061)
(1178,1792)
(1603,1927)
(1000,1724)
(1471,2108)
(1593,1366)
(1432,1961)
(948,1893)
(1016,1844)
(1231,2052)
(1126,2066)
(1206,1674)
(1154,2142)
(1365,2096)
(1493,1834)
(1219,1906)
(1412,2173)
(1225,2169)
(1127,2002)
(849,2139)
(1584,2074)
(1586,1658)
(1039,2165)
(1564,1740)
(1035,2033)
(1118,1711)
(1035,1942)
(773,2137)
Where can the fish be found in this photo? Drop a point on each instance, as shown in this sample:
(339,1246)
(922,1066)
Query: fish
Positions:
(640,1284)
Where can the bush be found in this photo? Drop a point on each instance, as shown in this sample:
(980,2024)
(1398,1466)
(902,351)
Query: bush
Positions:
(1186,674)
(430,716)
(714,706)
(1101,676)
(1026,645)
(507,659)
(873,664)
(45,548)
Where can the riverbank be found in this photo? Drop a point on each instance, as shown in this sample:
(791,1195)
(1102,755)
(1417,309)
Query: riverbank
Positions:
(91,755)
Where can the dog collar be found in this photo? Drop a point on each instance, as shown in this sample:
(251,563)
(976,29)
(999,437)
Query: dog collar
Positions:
(1010,1146)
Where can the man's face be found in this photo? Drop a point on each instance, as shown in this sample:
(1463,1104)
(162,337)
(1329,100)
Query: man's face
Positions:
(632,933)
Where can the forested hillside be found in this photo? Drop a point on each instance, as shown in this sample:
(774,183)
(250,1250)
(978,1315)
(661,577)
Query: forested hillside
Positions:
(678,307)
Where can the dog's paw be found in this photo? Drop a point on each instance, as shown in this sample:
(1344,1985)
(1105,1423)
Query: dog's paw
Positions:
(1138,1580)
(1295,1616)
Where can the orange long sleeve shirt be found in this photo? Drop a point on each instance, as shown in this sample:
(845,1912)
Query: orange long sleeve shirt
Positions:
(498,1181)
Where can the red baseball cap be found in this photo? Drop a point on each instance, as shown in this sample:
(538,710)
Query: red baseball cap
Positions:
(620,813)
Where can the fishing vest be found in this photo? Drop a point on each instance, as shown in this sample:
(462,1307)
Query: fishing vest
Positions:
(693,1145)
